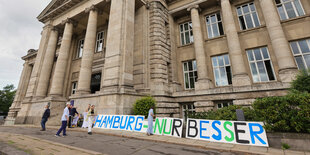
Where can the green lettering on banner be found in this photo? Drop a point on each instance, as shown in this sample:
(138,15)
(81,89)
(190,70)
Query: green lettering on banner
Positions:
(232,137)
(157,125)
(167,133)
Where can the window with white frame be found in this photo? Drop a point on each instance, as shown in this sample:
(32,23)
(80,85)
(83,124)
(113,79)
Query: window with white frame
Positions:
(247,16)
(74,87)
(80,49)
(222,104)
(190,74)
(261,65)
(100,41)
(301,52)
(187,108)
(222,70)
(289,9)
(186,33)
(214,25)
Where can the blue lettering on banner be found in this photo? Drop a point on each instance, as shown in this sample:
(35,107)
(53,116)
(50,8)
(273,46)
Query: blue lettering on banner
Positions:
(122,127)
(98,121)
(256,133)
(140,124)
(116,120)
(109,121)
(130,121)
(219,136)
(203,129)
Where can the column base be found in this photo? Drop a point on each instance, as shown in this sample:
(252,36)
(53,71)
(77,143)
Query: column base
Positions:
(288,74)
(203,84)
(241,80)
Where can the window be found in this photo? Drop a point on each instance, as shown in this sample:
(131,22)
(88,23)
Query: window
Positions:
(95,82)
(186,33)
(247,16)
(222,70)
(190,74)
(100,41)
(289,9)
(74,87)
(301,52)
(222,104)
(260,64)
(214,25)
(187,108)
(80,49)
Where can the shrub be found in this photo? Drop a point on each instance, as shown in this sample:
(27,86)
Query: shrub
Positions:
(302,82)
(290,113)
(143,105)
(226,113)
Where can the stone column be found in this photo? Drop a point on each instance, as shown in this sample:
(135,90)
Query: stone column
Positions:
(88,53)
(62,60)
(118,68)
(47,65)
(20,93)
(240,76)
(280,45)
(204,81)
(38,62)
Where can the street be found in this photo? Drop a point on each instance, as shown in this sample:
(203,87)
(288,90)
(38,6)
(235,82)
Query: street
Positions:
(112,145)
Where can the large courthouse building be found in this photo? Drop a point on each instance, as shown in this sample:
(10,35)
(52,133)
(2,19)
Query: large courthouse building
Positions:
(193,55)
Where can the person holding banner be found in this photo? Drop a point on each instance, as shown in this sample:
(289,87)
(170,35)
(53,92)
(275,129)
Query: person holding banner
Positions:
(150,118)
(90,118)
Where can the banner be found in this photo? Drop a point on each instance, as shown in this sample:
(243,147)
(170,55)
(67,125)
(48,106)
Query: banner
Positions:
(161,126)
(246,133)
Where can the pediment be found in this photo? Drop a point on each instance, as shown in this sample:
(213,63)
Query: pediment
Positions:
(56,7)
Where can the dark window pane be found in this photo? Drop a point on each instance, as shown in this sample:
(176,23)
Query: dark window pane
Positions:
(181,28)
(187,37)
(190,66)
(196,76)
(218,17)
(278,1)
(229,74)
(208,21)
(185,67)
(219,106)
(192,83)
(186,80)
(221,28)
(252,7)
(250,55)
(242,23)
(269,70)
(191,74)
(186,26)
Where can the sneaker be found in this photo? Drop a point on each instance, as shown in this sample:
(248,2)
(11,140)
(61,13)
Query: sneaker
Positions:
(89,133)
(64,135)
(42,130)
(57,136)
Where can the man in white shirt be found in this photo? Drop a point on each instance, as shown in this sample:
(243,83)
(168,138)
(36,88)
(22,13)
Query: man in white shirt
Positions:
(64,121)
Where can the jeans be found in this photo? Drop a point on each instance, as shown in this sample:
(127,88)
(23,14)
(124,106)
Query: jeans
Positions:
(70,121)
(43,121)
(62,128)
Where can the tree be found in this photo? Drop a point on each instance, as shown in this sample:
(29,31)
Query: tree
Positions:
(6,98)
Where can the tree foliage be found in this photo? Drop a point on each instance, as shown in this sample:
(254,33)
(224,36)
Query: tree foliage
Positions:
(143,105)
(6,98)
(302,82)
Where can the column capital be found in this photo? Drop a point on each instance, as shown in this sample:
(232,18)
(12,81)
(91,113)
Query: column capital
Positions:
(56,29)
(91,8)
(193,7)
(69,20)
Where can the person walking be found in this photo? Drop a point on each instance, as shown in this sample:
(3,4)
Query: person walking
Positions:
(64,121)
(45,116)
(150,118)
(90,118)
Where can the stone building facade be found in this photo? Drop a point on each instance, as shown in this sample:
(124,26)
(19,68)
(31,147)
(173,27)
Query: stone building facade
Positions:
(193,55)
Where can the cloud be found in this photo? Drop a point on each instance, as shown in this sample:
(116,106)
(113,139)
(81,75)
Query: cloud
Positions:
(19,31)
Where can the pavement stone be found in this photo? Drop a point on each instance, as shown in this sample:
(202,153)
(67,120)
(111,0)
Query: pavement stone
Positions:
(258,149)
(291,152)
(275,151)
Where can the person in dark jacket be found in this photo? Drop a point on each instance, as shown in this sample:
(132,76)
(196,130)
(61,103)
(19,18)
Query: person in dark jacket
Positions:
(45,117)
(72,112)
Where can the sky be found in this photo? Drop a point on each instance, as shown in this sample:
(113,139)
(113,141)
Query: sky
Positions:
(19,31)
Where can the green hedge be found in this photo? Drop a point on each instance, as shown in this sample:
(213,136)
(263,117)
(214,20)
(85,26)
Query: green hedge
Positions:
(302,82)
(143,105)
(290,113)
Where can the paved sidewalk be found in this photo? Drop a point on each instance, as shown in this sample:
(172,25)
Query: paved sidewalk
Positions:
(17,144)
(187,142)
